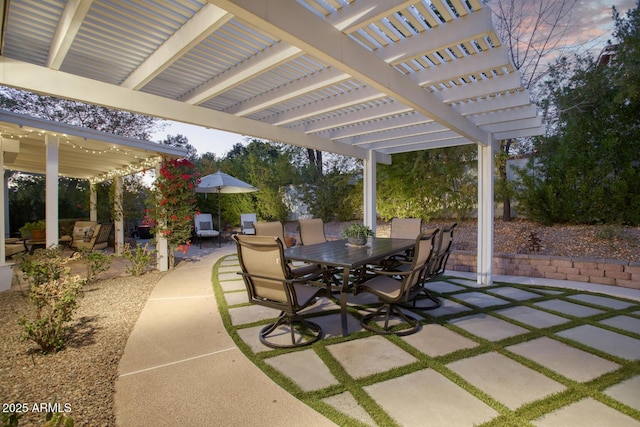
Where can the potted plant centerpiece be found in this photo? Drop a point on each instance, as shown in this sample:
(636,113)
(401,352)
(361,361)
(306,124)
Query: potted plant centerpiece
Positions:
(34,230)
(356,234)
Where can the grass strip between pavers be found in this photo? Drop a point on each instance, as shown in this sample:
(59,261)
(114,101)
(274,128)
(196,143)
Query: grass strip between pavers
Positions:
(521,416)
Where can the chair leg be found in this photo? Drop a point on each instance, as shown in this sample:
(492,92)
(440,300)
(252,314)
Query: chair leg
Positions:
(424,296)
(388,310)
(291,321)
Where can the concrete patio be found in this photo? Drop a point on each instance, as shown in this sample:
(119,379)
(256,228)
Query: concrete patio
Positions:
(487,355)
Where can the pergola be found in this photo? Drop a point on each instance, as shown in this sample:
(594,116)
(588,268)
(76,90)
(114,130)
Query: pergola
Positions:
(54,149)
(362,78)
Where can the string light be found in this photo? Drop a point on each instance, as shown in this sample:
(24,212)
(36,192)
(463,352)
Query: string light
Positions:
(143,164)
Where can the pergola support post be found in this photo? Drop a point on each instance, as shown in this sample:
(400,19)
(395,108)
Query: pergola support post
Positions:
(370,190)
(118,216)
(162,245)
(485,214)
(51,189)
(93,203)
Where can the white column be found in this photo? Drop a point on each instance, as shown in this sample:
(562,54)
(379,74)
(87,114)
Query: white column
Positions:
(5,211)
(51,193)
(485,214)
(161,243)
(93,203)
(118,216)
(370,190)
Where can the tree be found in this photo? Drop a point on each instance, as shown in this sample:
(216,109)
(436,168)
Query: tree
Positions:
(77,113)
(589,167)
(534,31)
(181,141)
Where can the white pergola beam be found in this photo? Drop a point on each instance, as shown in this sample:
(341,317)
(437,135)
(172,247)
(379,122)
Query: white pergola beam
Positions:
(407,131)
(466,28)
(433,137)
(478,89)
(282,94)
(203,23)
(337,102)
(495,103)
(270,58)
(519,113)
(296,25)
(360,14)
(427,145)
(515,125)
(42,80)
(70,21)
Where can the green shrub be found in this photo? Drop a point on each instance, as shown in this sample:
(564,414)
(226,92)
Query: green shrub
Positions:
(140,258)
(42,266)
(96,262)
(55,302)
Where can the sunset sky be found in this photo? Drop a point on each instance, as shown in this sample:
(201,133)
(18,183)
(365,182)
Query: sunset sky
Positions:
(590,27)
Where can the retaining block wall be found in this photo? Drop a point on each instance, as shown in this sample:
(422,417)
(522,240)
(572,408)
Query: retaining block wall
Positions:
(603,271)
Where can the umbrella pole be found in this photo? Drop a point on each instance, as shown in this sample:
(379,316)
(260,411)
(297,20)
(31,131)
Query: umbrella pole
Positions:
(219,223)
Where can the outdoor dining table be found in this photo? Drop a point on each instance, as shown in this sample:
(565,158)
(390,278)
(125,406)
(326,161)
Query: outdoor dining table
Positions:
(339,254)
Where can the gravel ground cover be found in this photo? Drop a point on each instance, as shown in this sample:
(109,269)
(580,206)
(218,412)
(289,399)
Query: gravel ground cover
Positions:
(83,374)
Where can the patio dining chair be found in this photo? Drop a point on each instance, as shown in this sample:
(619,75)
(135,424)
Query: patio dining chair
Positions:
(311,231)
(269,283)
(435,270)
(395,288)
(276,229)
(402,228)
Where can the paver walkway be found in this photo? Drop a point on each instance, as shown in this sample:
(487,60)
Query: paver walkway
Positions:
(508,354)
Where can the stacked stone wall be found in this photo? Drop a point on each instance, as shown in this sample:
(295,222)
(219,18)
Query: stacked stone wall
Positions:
(602,271)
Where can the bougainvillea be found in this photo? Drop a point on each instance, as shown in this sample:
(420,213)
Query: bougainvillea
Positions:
(175,190)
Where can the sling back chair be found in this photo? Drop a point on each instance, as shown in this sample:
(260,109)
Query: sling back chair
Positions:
(276,229)
(395,288)
(204,228)
(311,231)
(402,228)
(269,283)
(435,270)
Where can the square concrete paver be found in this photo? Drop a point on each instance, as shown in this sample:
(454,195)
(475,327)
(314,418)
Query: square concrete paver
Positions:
(532,317)
(480,299)
(568,361)
(233,285)
(251,313)
(448,307)
(604,340)
(234,298)
(229,269)
(627,323)
(586,413)
(305,369)
(444,287)
(627,392)
(566,307)
(427,398)
(369,356)
(229,276)
(514,293)
(602,301)
(347,404)
(504,379)
(331,324)
(436,340)
(488,327)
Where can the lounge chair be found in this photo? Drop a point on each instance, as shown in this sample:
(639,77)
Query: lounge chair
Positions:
(247,221)
(395,288)
(14,246)
(204,228)
(269,283)
(88,235)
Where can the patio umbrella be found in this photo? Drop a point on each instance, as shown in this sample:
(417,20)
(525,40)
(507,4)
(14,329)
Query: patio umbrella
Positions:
(221,182)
